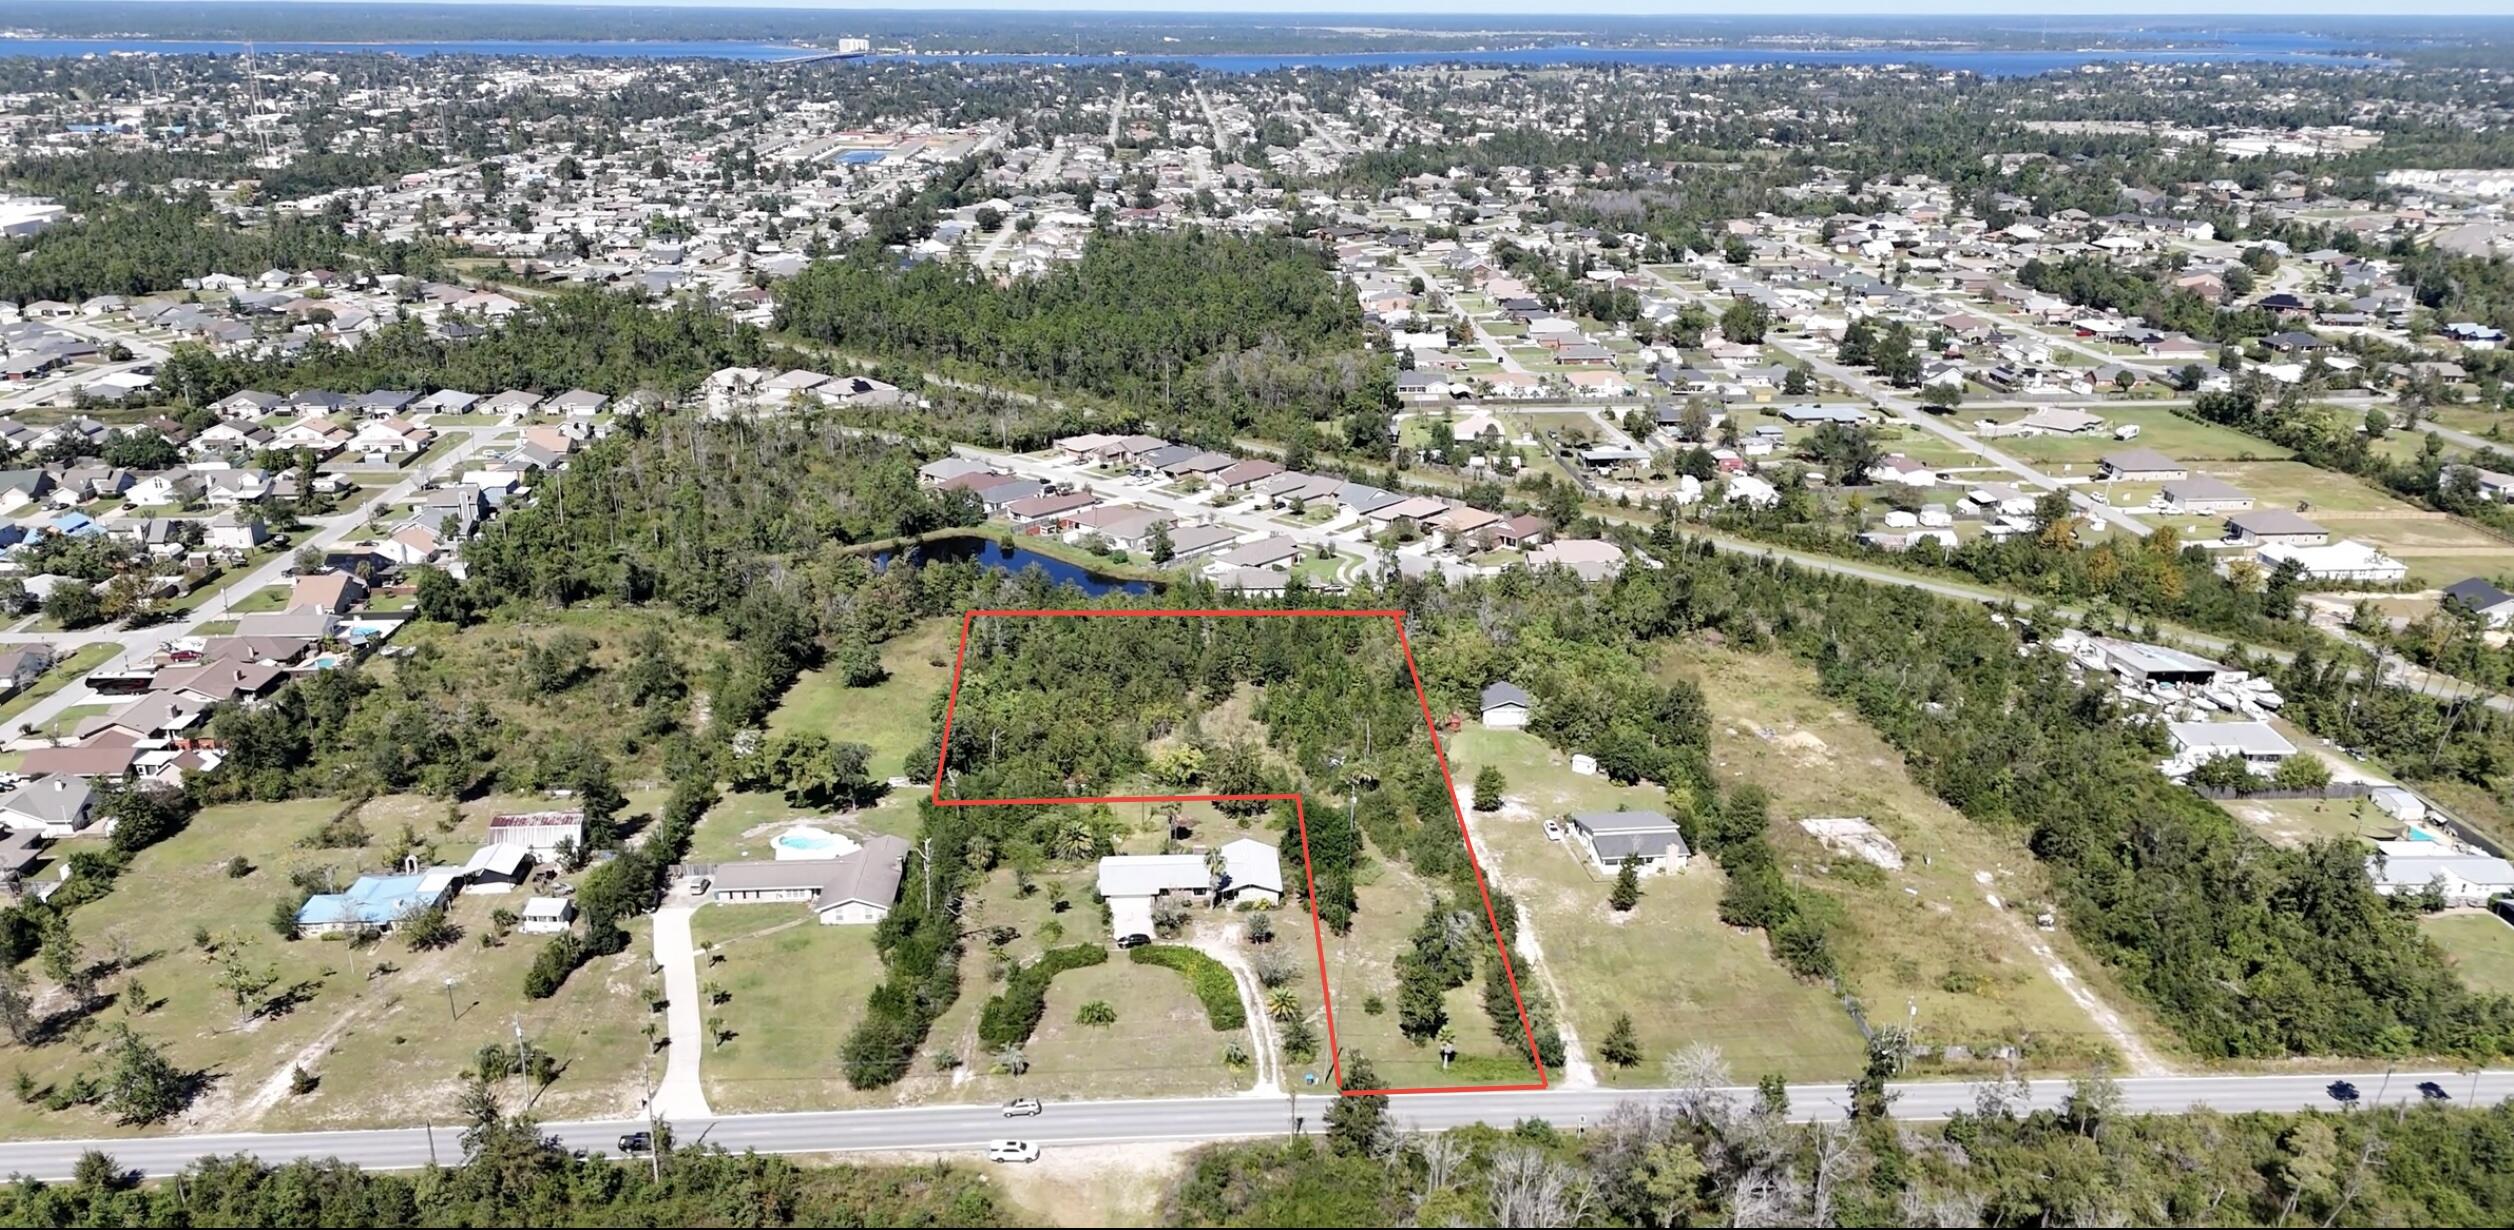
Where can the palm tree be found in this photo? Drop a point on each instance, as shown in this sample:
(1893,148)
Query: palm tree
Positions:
(1282,1004)
(1011,1060)
(1073,839)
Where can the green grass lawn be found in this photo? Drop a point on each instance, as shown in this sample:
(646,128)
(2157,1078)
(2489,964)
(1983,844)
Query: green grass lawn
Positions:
(740,826)
(1361,964)
(63,673)
(2480,947)
(2295,822)
(2160,429)
(66,722)
(1922,943)
(787,1028)
(2439,550)
(267,598)
(363,1022)
(1161,1046)
(1682,975)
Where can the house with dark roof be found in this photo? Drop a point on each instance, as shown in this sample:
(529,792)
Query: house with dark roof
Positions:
(1506,706)
(2263,526)
(2143,465)
(2481,600)
(2202,495)
(1647,837)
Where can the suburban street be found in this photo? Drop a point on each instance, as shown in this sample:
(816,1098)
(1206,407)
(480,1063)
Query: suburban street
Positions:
(964,1129)
(328,530)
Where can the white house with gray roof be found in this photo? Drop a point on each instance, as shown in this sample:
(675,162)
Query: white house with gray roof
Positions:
(1506,706)
(53,806)
(2466,878)
(1647,837)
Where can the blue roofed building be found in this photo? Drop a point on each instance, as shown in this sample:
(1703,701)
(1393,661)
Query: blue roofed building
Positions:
(377,901)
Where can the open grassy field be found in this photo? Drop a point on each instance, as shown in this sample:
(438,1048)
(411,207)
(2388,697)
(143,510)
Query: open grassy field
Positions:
(2296,822)
(2479,945)
(1682,975)
(267,598)
(2439,549)
(1161,1044)
(890,717)
(786,1028)
(2168,433)
(1947,941)
(361,1021)
(1361,964)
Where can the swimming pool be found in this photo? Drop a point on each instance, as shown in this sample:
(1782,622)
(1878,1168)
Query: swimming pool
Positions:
(804,842)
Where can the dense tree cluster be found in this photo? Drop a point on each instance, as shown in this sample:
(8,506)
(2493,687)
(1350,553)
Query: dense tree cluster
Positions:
(611,344)
(1703,1160)
(1204,334)
(512,1175)
(153,245)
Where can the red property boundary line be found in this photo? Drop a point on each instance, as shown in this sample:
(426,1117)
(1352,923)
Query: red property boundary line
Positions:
(1317,930)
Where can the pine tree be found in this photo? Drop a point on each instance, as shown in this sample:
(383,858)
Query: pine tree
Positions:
(1622,1047)
(1627,893)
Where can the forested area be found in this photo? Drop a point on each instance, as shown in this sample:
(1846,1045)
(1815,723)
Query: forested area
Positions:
(2130,291)
(514,1175)
(586,339)
(1701,1159)
(153,245)
(75,178)
(1203,335)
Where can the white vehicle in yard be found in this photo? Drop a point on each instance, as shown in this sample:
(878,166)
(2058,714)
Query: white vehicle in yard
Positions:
(1012,1151)
(1553,830)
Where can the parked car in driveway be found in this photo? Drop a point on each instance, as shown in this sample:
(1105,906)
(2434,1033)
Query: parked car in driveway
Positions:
(1012,1151)
(1553,830)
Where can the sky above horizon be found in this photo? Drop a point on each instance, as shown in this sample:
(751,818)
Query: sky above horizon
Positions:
(1529,10)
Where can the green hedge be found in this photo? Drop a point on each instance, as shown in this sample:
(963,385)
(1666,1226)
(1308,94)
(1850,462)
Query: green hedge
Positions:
(1212,983)
(1011,1017)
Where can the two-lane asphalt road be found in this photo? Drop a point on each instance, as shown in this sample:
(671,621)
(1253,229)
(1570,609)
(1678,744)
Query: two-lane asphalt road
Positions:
(955,1129)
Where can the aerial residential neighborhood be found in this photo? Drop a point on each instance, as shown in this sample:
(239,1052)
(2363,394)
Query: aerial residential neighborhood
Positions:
(687,613)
